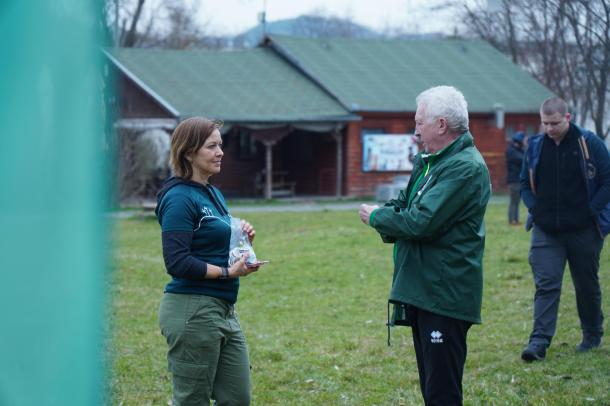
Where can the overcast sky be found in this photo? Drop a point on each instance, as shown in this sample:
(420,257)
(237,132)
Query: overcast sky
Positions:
(229,17)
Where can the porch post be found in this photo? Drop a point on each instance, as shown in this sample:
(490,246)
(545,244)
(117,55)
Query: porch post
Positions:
(268,167)
(339,143)
(270,137)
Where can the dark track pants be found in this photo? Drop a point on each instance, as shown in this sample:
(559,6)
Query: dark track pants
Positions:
(547,257)
(440,349)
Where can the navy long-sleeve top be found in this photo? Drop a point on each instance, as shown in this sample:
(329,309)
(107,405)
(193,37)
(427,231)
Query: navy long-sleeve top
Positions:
(195,231)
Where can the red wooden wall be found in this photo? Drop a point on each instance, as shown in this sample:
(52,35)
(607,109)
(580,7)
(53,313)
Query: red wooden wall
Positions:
(490,141)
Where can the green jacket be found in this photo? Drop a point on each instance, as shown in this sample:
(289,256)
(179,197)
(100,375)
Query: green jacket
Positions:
(439,233)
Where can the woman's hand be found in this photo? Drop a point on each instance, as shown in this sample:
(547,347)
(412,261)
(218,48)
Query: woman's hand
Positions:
(248,229)
(240,268)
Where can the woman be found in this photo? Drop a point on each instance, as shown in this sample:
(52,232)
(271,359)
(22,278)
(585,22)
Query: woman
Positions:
(207,355)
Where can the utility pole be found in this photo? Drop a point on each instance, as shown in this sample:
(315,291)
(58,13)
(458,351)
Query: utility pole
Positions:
(262,18)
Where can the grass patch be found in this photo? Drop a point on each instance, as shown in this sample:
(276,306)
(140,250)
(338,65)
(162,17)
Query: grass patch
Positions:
(235,204)
(315,320)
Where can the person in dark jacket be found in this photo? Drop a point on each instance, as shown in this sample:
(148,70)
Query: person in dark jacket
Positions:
(514,160)
(437,227)
(565,184)
(207,354)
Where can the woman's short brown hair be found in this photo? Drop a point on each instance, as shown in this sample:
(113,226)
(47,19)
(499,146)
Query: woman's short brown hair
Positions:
(188,137)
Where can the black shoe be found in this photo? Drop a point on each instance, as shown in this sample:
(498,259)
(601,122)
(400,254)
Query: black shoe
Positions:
(534,352)
(588,344)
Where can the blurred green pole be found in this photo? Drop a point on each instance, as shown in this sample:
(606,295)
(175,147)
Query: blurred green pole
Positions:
(52,199)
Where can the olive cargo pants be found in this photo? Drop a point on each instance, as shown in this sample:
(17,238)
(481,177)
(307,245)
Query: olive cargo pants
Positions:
(207,353)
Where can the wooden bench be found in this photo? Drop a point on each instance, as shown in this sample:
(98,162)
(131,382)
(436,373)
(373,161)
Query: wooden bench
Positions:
(282,189)
(280,185)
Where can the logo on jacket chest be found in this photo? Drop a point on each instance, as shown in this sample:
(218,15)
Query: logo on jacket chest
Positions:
(208,215)
(206,212)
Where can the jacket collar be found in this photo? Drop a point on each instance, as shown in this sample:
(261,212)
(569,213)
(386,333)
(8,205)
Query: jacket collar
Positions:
(464,140)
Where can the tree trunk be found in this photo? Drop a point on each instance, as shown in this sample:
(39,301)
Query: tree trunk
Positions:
(130,38)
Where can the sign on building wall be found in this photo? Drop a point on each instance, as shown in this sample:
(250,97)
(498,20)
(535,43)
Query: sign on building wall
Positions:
(388,152)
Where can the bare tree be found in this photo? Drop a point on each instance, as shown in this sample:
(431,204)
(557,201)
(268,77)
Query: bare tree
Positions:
(156,23)
(130,36)
(590,22)
(122,18)
(563,43)
(182,29)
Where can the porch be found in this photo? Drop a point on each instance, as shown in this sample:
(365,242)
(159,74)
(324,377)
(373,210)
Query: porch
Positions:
(282,162)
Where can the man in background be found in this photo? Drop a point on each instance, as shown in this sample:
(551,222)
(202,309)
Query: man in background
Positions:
(565,184)
(514,159)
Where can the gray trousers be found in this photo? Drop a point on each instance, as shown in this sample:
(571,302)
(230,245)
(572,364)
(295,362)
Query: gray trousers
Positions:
(547,257)
(207,353)
(513,205)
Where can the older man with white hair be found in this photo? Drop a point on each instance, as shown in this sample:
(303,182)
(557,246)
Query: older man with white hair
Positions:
(436,226)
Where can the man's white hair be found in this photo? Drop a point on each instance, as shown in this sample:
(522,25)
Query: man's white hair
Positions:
(445,102)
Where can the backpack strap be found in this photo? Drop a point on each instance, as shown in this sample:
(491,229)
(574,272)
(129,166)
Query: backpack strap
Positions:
(583,147)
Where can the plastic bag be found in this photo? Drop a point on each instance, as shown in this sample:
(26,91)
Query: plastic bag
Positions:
(240,244)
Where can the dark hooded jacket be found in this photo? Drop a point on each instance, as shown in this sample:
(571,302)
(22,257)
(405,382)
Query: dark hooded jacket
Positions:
(593,162)
(514,160)
(195,231)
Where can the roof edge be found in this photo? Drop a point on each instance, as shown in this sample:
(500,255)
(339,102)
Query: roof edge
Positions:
(142,85)
(327,119)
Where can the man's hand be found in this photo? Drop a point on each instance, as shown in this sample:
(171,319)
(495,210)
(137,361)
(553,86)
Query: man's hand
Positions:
(365,212)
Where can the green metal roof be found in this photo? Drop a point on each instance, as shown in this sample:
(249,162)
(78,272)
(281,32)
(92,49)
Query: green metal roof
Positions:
(254,85)
(387,75)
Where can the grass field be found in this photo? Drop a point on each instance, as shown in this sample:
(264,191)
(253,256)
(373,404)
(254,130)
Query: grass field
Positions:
(315,321)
